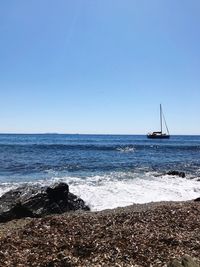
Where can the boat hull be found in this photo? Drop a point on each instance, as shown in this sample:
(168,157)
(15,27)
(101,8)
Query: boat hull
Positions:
(164,136)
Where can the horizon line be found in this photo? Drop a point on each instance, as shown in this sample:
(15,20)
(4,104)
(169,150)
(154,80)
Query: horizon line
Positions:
(55,133)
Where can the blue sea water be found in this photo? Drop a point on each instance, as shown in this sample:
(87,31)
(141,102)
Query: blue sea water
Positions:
(105,170)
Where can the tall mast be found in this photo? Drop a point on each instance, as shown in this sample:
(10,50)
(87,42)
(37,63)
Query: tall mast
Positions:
(161,118)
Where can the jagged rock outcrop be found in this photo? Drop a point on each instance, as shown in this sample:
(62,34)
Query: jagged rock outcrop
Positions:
(35,201)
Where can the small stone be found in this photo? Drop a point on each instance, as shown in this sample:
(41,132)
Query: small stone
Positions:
(188,261)
(174,263)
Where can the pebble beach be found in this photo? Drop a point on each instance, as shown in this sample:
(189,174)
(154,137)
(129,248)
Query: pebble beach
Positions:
(138,235)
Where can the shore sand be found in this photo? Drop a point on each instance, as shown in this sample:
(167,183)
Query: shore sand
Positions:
(139,235)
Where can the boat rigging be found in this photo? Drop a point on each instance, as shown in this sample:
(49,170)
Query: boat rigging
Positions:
(160,134)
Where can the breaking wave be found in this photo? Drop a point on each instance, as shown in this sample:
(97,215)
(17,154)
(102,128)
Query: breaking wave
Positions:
(120,189)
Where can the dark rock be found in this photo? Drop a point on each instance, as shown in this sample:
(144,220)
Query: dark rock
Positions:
(35,201)
(197,199)
(177,173)
(57,192)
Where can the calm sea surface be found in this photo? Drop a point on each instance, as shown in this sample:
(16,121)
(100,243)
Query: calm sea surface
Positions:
(105,170)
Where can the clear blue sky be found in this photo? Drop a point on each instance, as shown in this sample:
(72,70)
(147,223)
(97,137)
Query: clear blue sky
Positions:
(99,66)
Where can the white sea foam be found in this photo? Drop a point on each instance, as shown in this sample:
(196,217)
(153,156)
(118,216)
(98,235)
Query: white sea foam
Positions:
(126,149)
(119,189)
(5,187)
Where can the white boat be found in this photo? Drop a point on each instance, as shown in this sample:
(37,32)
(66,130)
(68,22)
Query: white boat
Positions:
(160,134)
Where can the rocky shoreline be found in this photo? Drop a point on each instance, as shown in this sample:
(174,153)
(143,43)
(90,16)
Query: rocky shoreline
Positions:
(35,201)
(139,235)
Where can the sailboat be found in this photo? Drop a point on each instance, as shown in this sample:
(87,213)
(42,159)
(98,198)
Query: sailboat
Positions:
(160,134)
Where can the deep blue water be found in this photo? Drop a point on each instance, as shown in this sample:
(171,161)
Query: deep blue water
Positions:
(105,170)
(32,157)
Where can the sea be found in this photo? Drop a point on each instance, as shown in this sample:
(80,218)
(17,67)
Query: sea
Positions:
(106,171)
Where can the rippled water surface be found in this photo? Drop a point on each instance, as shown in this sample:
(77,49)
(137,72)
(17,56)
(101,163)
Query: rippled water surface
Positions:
(106,170)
